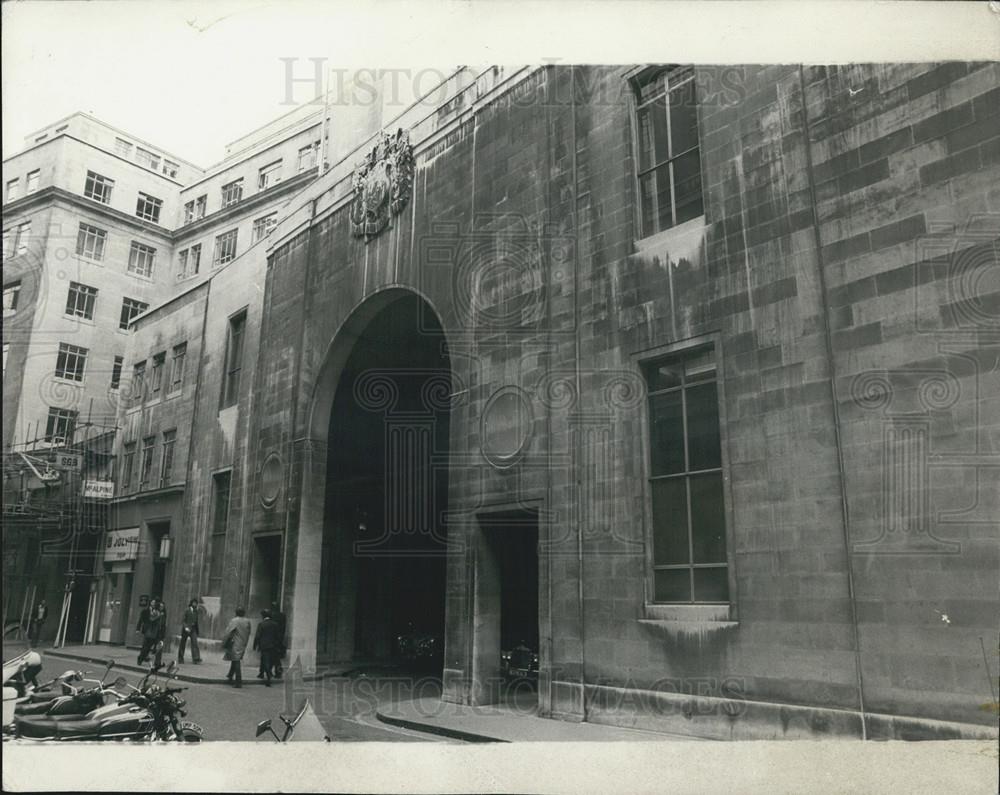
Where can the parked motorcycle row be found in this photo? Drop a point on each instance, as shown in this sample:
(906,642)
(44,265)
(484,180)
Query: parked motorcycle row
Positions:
(72,707)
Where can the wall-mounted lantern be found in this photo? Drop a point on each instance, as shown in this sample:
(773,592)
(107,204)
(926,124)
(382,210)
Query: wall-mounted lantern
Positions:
(165,548)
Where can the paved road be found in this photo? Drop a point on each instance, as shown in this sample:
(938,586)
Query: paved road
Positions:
(227,713)
(345,707)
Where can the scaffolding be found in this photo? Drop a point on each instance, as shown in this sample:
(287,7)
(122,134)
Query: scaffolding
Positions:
(51,525)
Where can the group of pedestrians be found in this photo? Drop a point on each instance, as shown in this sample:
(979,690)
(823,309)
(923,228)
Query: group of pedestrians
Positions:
(269,641)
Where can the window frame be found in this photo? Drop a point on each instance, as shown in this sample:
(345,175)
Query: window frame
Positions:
(13,187)
(117,365)
(95,180)
(218,539)
(709,611)
(231,376)
(222,240)
(31,181)
(232,193)
(12,289)
(159,362)
(76,292)
(148,207)
(167,457)
(95,236)
(55,415)
(148,254)
(636,79)
(142,154)
(71,362)
(131,303)
(146,462)
(261,228)
(128,466)
(308,153)
(270,175)
(177,368)
(137,386)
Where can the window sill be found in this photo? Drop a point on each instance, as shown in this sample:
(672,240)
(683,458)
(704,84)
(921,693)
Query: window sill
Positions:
(715,614)
(674,236)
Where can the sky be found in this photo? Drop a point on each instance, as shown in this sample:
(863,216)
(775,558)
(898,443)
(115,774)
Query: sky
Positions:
(192,76)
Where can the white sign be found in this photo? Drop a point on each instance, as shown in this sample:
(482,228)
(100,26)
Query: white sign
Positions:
(68,460)
(121,545)
(99,489)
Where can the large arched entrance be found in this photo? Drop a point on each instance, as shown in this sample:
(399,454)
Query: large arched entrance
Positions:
(382,576)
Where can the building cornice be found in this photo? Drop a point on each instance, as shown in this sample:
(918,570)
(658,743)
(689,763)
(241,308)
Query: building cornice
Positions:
(248,204)
(53,194)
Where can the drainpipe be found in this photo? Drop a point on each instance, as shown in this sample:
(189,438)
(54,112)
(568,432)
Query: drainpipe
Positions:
(828,339)
(579,395)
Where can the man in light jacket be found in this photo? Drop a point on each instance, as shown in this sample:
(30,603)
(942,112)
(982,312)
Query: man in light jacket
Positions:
(234,642)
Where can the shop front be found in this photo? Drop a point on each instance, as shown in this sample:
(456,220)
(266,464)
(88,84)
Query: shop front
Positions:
(121,549)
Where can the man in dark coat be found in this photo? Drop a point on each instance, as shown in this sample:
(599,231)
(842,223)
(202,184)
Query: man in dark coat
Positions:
(38,616)
(279,619)
(153,628)
(189,631)
(268,642)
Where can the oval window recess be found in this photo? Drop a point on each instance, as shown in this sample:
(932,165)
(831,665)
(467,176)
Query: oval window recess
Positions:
(270,479)
(506,427)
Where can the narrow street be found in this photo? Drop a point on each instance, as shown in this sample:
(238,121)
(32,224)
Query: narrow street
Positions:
(345,707)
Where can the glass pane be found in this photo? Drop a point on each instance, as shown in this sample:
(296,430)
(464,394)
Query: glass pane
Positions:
(711,585)
(672,585)
(687,184)
(683,119)
(664,211)
(704,450)
(700,366)
(651,88)
(647,201)
(646,151)
(670,535)
(664,375)
(708,519)
(666,434)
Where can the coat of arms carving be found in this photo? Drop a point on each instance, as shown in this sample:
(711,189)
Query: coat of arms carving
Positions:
(382,183)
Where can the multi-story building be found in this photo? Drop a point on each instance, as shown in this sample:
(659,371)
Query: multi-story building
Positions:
(678,377)
(99,226)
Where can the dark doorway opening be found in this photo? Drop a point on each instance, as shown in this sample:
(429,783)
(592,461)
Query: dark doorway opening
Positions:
(265,573)
(507,605)
(383,572)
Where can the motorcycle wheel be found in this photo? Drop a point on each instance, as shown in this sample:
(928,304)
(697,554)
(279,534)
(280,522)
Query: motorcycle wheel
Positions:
(189,733)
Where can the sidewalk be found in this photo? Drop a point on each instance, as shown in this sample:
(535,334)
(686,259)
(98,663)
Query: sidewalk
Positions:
(209,671)
(505,724)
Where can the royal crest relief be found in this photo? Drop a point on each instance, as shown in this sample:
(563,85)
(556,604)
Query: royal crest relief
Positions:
(382,184)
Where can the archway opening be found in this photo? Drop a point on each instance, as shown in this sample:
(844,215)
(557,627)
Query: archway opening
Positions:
(382,585)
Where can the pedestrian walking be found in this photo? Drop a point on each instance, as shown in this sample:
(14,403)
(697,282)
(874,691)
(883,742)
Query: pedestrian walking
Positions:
(38,616)
(279,619)
(152,626)
(234,642)
(268,642)
(189,631)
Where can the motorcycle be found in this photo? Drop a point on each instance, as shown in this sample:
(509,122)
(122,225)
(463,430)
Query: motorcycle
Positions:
(151,712)
(519,663)
(304,727)
(73,700)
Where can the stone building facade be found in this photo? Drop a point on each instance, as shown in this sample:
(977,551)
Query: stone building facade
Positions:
(726,429)
(681,377)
